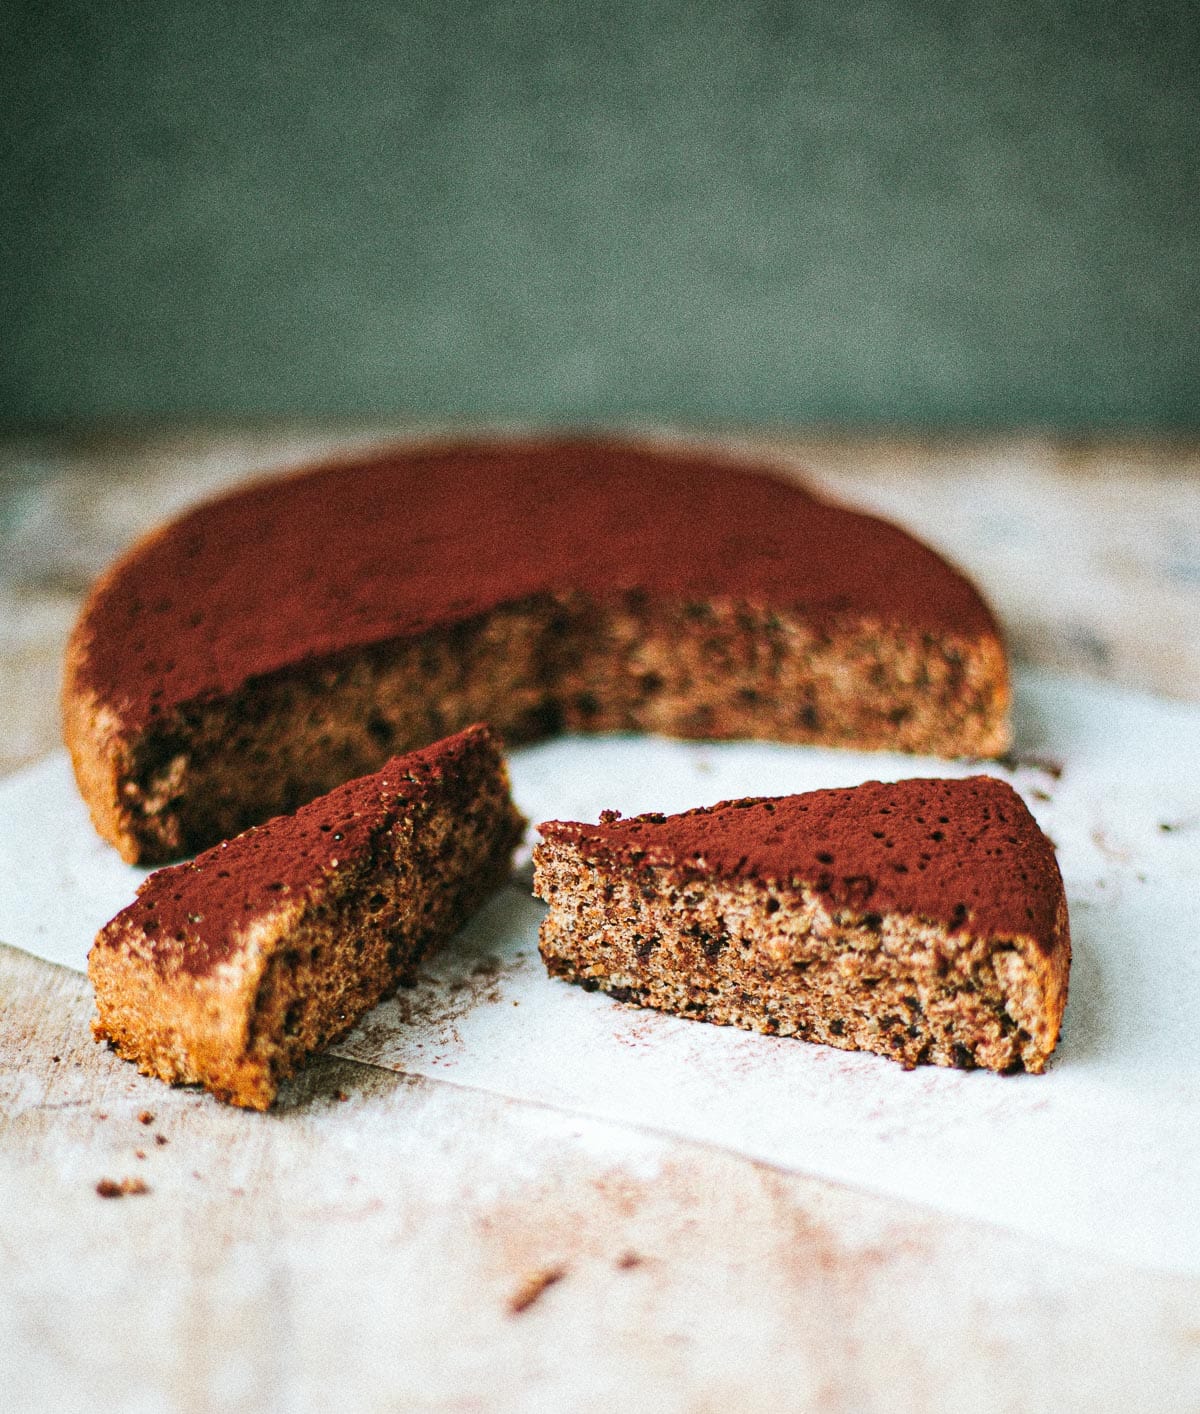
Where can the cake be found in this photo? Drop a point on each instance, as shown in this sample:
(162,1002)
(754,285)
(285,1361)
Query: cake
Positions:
(229,970)
(297,632)
(924,920)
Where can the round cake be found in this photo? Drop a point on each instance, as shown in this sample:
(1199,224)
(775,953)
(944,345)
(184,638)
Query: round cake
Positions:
(275,642)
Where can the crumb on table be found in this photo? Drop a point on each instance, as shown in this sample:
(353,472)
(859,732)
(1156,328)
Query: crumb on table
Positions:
(533,1286)
(111,1188)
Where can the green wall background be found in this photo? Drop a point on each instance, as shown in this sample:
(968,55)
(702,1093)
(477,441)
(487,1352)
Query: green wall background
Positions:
(929,213)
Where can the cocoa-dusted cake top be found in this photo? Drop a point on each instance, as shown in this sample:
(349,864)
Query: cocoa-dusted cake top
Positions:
(963,853)
(192,915)
(344,556)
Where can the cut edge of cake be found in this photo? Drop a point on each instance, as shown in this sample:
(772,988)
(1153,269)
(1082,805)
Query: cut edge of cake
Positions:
(699,670)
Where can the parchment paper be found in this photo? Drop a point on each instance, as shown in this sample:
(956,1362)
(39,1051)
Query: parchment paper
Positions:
(1103,1151)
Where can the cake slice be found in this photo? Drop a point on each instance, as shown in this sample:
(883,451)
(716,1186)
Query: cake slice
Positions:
(924,920)
(229,970)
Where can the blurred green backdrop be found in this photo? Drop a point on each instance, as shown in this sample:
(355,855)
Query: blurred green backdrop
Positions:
(927,213)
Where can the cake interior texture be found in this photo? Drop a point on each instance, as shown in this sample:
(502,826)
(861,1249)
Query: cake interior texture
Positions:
(229,970)
(561,663)
(882,918)
(294,634)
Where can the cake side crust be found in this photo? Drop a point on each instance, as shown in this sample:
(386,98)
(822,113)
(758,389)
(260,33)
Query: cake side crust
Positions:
(96,742)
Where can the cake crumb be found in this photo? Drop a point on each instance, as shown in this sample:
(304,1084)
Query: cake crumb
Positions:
(532,1288)
(111,1188)
(160,1139)
(1016,761)
(145,1117)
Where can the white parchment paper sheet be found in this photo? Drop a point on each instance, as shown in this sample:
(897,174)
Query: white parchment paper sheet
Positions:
(1102,1151)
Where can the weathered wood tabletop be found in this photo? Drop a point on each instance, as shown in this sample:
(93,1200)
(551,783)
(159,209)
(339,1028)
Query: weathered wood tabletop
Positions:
(388,1242)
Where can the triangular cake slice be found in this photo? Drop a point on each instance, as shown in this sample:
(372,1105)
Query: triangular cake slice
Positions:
(923,920)
(229,970)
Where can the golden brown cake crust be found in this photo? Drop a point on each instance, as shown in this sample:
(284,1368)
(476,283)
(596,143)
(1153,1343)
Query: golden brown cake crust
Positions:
(229,970)
(293,634)
(924,920)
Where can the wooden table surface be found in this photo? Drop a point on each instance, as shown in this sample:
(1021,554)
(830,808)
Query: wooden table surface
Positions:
(387,1242)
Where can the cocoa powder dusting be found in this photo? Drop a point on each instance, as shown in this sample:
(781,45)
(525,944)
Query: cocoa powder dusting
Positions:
(294,571)
(966,853)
